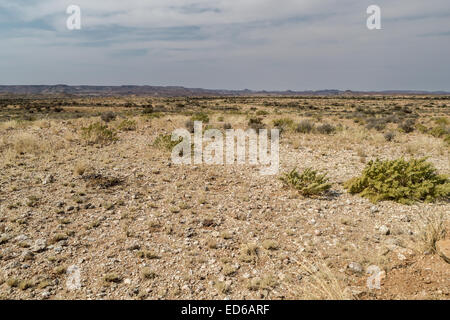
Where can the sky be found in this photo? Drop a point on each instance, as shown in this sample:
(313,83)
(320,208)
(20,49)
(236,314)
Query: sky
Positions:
(228,44)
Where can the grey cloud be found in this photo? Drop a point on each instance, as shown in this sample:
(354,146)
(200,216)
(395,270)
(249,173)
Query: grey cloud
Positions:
(264,44)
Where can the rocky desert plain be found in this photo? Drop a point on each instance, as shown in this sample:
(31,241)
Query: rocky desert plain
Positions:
(92,206)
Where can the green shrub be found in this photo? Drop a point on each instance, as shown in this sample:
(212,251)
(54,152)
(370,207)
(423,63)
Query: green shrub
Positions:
(308,183)
(283,124)
(401,181)
(447,139)
(439,131)
(154,115)
(127,125)
(98,133)
(421,128)
(261,113)
(164,141)
(442,121)
(200,116)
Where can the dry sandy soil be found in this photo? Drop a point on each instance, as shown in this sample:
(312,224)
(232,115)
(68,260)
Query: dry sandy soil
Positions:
(139,227)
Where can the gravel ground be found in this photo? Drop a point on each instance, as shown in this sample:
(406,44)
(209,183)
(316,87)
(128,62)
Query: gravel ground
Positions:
(136,226)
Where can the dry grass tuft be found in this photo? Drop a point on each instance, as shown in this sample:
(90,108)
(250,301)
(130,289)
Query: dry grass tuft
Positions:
(431,229)
(81,168)
(323,284)
(25,143)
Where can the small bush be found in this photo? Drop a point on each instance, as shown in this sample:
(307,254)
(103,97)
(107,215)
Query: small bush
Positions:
(422,128)
(26,284)
(389,136)
(164,141)
(283,124)
(447,139)
(97,180)
(305,126)
(256,124)
(401,181)
(407,126)
(227,126)
(80,168)
(200,116)
(108,116)
(249,253)
(26,143)
(148,109)
(112,278)
(98,133)
(127,125)
(190,126)
(261,113)
(148,274)
(439,131)
(13,282)
(442,121)
(376,123)
(326,128)
(308,183)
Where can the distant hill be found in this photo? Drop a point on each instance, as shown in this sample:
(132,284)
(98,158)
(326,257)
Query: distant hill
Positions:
(173,91)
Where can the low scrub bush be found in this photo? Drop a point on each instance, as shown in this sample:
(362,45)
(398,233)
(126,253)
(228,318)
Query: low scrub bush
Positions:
(440,131)
(442,121)
(305,126)
(283,124)
(147,109)
(127,125)
(401,181)
(256,124)
(262,113)
(447,139)
(97,180)
(407,126)
(26,143)
(200,116)
(98,133)
(378,124)
(389,136)
(164,141)
(310,182)
(227,126)
(108,116)
(326,128)
(190,126)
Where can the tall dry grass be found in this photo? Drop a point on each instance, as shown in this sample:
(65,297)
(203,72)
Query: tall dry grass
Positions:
(431,229)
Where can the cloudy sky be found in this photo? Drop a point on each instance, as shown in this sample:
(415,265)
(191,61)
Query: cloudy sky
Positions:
(228,44)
